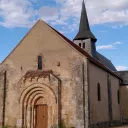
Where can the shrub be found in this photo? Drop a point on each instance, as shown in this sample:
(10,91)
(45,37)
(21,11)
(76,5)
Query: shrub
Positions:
(62,124)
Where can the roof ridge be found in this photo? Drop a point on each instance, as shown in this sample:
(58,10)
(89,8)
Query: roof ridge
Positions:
(89,57)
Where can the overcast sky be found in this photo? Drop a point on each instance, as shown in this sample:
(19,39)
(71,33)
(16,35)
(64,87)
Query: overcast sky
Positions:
(108,20)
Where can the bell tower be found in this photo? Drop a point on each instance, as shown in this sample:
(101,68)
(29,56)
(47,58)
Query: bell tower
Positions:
(85,38)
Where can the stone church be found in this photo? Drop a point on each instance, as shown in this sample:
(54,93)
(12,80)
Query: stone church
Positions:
(49,81)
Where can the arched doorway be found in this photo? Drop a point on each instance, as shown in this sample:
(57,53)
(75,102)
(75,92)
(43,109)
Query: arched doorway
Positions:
(38,106)
(41,114)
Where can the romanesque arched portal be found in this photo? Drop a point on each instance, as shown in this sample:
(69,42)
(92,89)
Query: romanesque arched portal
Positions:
(38,100)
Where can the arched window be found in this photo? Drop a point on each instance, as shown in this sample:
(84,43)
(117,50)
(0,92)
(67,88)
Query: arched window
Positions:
(39,62)
(5,77)
(83,45)
(118,96)
(98,92)
(80,44)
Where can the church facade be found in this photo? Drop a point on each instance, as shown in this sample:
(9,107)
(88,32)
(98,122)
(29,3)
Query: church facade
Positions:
(49,81)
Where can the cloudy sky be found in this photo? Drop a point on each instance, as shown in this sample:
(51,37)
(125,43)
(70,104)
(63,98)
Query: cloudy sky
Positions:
(108,20)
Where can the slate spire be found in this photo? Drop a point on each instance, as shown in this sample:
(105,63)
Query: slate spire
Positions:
(84,28)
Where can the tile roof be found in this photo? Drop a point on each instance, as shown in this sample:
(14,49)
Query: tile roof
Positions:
(105,61)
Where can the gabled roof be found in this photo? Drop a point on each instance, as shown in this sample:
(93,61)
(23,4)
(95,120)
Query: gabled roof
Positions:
(90,58)
(105,61)
(84,29)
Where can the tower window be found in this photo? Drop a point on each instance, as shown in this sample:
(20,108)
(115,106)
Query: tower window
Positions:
(80,44)
(118,96)
(39,62)
(98,92)
(84,45)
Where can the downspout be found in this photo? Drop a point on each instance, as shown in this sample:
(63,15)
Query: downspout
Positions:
(83,77)
(4,98)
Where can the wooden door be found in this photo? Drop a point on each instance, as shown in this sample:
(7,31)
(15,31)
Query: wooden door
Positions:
(41,116)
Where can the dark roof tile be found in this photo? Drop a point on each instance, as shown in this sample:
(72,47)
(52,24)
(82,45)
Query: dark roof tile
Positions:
(106,62)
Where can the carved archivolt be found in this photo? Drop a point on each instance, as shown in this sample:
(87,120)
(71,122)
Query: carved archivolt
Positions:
(37,94)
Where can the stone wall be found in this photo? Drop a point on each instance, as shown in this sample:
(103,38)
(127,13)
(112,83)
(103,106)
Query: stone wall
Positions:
(88,45)
(74,99)
(1,96)
(124,103)
(66,64)
(99,110)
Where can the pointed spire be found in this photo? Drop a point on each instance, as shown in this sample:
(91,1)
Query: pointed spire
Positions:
(84,24)
(84,29)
